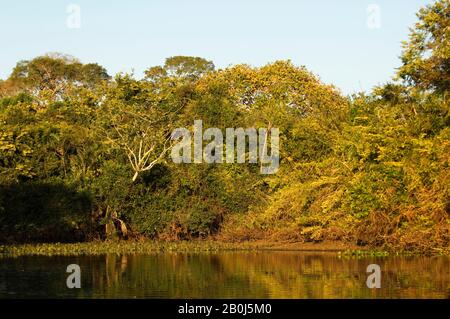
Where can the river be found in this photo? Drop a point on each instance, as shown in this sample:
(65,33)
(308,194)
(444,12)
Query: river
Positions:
(228,274)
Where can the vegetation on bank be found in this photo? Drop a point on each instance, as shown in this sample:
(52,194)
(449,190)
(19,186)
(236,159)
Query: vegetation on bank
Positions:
(115,247)
(84,156)
(131,247)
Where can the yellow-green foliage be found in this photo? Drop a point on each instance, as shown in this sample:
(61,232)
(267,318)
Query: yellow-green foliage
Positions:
(386,183)
(371,169)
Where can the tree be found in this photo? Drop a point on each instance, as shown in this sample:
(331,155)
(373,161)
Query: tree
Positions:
(136,124)
(144,143)
(185,67)
(426,55)
(53,76)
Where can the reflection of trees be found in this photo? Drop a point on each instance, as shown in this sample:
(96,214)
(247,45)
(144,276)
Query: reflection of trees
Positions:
(266,274)
(262,274)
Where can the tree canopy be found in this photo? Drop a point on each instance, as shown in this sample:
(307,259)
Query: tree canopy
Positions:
(426,54)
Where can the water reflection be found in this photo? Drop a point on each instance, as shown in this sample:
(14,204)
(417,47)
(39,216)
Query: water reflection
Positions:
(262,274)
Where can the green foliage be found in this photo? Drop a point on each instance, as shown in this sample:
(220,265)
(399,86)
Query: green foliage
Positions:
(84,156)
(50,211)
(426,55)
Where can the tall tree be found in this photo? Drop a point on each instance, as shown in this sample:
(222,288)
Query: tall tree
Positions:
(426,54)
(137,124)
(184,67)
(53,76)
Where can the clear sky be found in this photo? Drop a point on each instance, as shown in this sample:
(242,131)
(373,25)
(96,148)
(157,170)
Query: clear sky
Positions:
(345,42)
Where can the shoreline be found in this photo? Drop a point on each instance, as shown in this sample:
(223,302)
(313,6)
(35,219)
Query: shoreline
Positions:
(95,248)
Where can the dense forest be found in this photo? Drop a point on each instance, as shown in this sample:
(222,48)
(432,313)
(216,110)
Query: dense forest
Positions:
(83,155)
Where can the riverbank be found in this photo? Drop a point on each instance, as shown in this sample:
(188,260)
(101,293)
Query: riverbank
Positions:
(147,247)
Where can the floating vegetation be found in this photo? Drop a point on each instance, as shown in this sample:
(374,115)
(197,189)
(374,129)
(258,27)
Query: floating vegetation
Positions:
(199,246)
(363,253)
(118,247)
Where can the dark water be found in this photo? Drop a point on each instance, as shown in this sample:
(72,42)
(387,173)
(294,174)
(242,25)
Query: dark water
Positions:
(264,274)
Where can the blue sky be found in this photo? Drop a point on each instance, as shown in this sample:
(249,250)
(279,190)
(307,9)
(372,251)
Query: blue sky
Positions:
(331,38)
